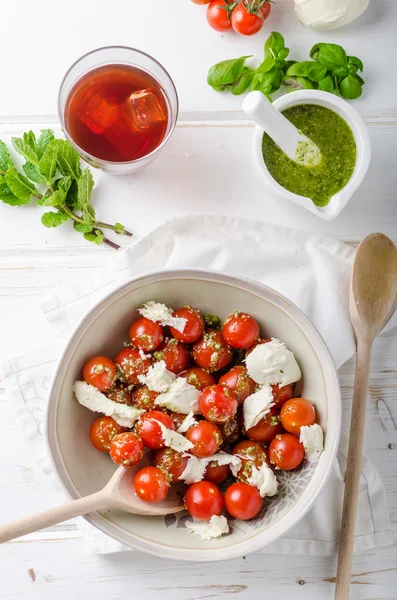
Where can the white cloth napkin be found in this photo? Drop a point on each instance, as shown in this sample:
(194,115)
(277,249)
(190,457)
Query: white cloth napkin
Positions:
(312,271)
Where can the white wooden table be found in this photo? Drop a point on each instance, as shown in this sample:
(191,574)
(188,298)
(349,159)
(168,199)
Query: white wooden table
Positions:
(205,169)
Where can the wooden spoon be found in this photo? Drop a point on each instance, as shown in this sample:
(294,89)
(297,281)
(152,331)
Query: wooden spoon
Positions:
(373,300)
(119,493)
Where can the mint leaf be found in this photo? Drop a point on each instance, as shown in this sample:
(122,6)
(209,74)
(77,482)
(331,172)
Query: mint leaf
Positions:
(45,138)
(55,199)
(119,228)
(53,219)
(32,173)
(5,157)
(19,185)
(25,148)
(71,198)
(68,160)
(83,227)
(63,184)
(6,194)
(85,186)
(97,236)
(48,161)
(88,213)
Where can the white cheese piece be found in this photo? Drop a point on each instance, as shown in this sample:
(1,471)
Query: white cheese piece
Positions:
(158,378)
(174,440)
(160,313)
(181,397)
(195,467)
(90,397)
(273,363)
(312,439)
(264,479)
(257,405)
(215,527)
(329,14)
(187,423)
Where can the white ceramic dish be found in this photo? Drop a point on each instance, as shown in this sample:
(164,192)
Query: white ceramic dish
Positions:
(82,470)
(363,144)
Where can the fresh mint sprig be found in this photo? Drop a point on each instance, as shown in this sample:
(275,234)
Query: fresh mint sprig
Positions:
(54,165)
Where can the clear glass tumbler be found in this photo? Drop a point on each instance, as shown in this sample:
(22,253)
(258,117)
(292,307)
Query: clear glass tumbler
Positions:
(119,55)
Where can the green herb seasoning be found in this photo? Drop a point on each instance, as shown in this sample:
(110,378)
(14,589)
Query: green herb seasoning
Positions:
(336,141)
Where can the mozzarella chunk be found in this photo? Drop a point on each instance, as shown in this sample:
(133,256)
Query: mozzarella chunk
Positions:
(187,423)
(180,397)
(160,313)
(158,378)
(195,467)
(257,405)
(264,479)
(173,439)
(215,527)
(273,363)
(90,397)
(326,14)
(312,439)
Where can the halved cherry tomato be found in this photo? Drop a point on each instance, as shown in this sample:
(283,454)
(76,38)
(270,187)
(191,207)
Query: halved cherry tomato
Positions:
(251,454)
(216,473)
(100,372)
(238,380)
(267,428)
(150,431)
(126,449)
(217,16)
(286,451)
(240,330)
(218,403)
(151,484)
(132,363)
(146,334)
(120,394)
(203,500)
(174,354)
(145,398)
(282,394)
(205,437)
(243,501)
(102,432)
(194,325)
(230,431)
(212,352)
(296,413)
(199,378)
(171,461)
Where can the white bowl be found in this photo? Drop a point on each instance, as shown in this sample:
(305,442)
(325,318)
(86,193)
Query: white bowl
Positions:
(363,144)
(83,470)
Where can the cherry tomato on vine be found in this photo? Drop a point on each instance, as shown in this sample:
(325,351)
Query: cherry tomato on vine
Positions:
(286,451)
(203,500)
(102,432)
(205,437)
(151,484)
(201,1)
(243,501)
(126,449)
(245,22)
(194,325)
(199,378)
(149,429)
(218,403)
(100,372)
(296,413)
(217,16)
(146,334)
(240,330)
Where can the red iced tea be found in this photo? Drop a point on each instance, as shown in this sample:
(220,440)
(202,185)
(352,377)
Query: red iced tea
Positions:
(117,113)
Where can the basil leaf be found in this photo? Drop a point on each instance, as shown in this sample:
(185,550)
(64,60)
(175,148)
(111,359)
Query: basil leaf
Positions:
(45,138)
(359,79)
(327,84)
(5,157)
(68,160)
(353,60)
(54,219)
(32,173)
(24,147)
(83,227)
(308,68)
(242,84)
(267,64)
(315,50)
(274,42)
(332,56)
(19,185)
(340,71)
(298,83)
(227,71)
(350,88)
(283,53)
(85,186)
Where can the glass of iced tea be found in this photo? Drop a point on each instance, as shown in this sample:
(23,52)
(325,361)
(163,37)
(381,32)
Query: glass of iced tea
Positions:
(118,106)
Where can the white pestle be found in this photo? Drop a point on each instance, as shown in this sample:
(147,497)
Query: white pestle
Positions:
(292,142)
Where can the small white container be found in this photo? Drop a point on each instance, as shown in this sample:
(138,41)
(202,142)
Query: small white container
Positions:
(363,145)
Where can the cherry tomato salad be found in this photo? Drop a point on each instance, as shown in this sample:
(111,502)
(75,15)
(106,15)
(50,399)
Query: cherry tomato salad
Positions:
(214,404)
(245,17)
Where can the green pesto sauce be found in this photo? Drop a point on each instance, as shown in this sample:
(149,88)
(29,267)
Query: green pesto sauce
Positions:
(335,139)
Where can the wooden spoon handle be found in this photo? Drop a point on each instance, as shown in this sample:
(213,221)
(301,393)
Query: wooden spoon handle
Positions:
(353,470)
(53,515)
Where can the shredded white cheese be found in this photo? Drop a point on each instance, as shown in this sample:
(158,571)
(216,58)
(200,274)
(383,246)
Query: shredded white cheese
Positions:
(312,439)
(264,479)
(160,313)
(195,467)
(180,397)
(174,440)
(158,378)
(257,405)
(90,397)
(187,423)
(273,363)
(215,527)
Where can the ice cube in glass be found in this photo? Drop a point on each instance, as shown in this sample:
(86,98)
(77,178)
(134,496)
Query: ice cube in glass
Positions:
(143,110)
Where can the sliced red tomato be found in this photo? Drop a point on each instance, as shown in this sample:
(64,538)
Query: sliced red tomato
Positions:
(151,484)
(296,413)
(174,354)
(204,500)
(171,461)
(149,429)
(102,432)
(126,449)
(194,325)
(240,330)
(286,451)
(212,352)
(145,399)
(131,363)
(243,501)
(146,334)
(218,15)
(205,437)
(267,428)
(100,372)
(238,380)
(199,378)
(218,403)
